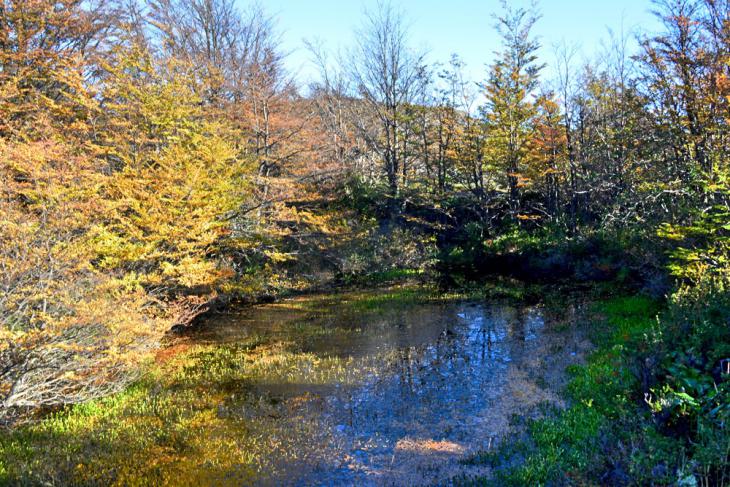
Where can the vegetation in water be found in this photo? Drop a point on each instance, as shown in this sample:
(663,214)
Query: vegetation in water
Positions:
(203,412)
(186,419)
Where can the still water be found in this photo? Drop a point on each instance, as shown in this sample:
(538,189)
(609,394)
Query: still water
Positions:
(410,388)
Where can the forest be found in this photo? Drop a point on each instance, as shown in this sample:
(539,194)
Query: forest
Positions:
(159,164)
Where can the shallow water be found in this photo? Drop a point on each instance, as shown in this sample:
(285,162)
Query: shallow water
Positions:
(419,386)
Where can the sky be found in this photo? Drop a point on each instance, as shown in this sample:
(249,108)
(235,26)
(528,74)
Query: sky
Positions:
(465,27)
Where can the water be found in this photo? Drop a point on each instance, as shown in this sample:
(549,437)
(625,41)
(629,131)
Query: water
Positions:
(409,389)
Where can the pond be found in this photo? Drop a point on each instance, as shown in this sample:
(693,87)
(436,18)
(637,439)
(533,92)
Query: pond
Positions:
(390,387)
(368,389)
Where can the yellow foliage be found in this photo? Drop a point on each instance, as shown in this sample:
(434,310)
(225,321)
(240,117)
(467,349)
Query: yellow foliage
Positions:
(104,237)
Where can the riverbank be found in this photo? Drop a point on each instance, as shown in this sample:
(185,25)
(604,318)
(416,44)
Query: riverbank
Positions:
(576,444)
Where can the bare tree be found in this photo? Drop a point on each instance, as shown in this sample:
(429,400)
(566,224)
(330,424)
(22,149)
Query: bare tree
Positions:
(565,57)
(386,74)
(205,32)
(330,96)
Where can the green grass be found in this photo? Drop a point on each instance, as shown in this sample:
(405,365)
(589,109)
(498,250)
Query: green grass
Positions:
(400,296)
(381,278)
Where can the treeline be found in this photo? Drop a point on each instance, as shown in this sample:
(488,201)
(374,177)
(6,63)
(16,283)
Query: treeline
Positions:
(156,156)
(623,139)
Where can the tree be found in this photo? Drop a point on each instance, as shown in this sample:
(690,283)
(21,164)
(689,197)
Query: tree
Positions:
(205,33)
(509,109)
(386,73)
(449,114)
(683,71)
(47,49)
(112,226)
(549,153)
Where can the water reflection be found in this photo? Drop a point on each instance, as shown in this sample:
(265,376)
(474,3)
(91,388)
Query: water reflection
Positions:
(440,380)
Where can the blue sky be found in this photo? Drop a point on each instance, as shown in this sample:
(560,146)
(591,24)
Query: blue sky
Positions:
(461,26)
